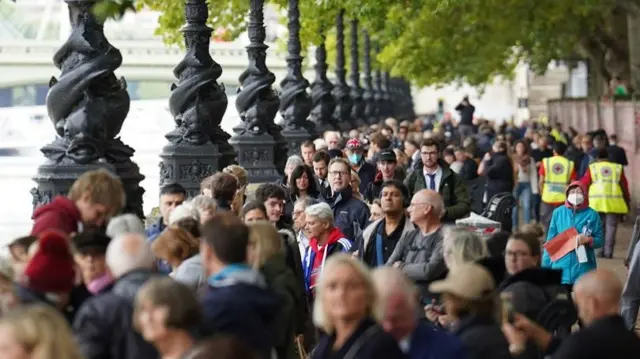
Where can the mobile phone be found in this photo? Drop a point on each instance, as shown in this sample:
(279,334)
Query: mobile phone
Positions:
(506,308)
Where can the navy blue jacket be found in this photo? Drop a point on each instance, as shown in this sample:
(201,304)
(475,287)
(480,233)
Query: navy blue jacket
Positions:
(427,342)
(367,174)
(350,214)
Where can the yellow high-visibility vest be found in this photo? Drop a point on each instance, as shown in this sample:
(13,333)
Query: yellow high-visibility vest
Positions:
(605,192)
(557,175)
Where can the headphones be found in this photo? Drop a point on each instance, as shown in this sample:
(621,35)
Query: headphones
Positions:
(406,198)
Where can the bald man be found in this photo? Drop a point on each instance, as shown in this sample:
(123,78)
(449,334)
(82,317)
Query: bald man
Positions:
(419,254)
(605,335)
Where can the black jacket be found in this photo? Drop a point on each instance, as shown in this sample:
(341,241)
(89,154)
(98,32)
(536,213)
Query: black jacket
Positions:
(499,172)
(351,215)
(482,338)
(103,327)
(617,155)
(367,173)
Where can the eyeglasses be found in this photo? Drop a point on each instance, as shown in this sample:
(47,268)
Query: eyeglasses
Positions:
(516,254)
(429,153)
(339,173)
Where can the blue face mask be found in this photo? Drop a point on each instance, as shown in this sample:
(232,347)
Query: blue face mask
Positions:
(355,158)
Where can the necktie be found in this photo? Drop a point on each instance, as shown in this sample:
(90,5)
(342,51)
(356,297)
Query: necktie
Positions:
(432,181)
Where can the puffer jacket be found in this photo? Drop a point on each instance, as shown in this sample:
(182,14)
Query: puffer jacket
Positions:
(366,242)
(103,326)
(351,214)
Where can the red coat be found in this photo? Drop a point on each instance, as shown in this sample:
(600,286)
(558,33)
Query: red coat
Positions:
(61,214)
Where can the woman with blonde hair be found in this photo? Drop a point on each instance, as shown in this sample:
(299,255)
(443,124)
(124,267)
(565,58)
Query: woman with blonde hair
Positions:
(355,185)
(36,332)
(181,250)
(347,310)
(265,253)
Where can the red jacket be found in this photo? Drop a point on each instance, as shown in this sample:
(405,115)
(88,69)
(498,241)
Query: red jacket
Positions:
(61,214)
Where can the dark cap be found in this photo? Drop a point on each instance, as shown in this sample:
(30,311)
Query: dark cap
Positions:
(91,240)
(387,155)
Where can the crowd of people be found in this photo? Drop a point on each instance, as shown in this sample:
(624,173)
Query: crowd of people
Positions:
(354,253)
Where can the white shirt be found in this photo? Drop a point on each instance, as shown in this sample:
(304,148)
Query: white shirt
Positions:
(427,178)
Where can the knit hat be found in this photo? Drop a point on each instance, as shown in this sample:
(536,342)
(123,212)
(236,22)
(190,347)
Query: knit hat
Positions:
(51,270)
(353,144)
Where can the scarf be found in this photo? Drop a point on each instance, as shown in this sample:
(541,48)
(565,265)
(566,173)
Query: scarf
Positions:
(523,162)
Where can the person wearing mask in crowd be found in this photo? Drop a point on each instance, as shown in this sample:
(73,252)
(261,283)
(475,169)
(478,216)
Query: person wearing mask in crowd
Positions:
(299,222)
(321,170)
(243,181)
(617,154)
(302,184)
(332,139)
(435,175)
(526,182)
(419,254)
(365,170)
(265,254)
(466,111)
(555,174)
(412,150)
(325,240)
(348,312)
(171,196)
(575,214)
(630,303)
(292,162)
(93,198)
(237,300)
(167,314)
(175,246)
(37,331)
(308,150)
(223,189)
(379,239)
(498,168)
(399,306)
(254,211)
(468,294)
(351,214)
(387,171)
(131,263)
(90,249)
(608,195)
(376,210)
(597,296)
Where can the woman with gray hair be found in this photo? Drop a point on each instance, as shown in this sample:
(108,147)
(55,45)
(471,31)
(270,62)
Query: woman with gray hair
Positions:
(206,207)
(185,210)
(325,240)
(123,224)
(462,246)
(292,162)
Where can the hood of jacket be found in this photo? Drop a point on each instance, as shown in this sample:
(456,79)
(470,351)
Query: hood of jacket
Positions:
(585,203)
(60,204)
(541,277)
(334,235)
(341,196)
(130,283)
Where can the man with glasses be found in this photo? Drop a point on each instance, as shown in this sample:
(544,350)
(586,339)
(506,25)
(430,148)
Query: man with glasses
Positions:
(437,176)
(351,214)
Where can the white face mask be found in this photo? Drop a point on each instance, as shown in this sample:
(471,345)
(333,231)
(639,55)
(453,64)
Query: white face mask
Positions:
(575,199)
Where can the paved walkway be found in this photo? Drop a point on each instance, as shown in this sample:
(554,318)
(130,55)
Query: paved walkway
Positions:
(620,253)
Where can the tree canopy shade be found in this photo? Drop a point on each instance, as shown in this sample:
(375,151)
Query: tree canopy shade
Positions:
(440,41)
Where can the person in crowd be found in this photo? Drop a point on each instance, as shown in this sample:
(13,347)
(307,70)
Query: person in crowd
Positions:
(347,310)
(399,306)
(379,239)
(320,144)
(355,185)
(167,313)
(237,300)
(19,253)
(351,214)
(308,150)
(630,303)
(617,154)
(104,326)
(403,162)
(436,176)
(176,246)
(301,184)
(49,277)
(540,151)
(526,183)
(93,198)
(8,296)
(90,249)
(412,150)
(586,221)
(387,171)
(379,140)
(608,195)
(376,210)
(574,150)
(333,140)
(498,168)
(555,174)
(462,246)
(206,207)
(299,222)
(36,332)
(326,239)
(185,210)
(597,296)
(125,223)
(469,170)
(273,197)
(587,149)
(468,294)
(265,254)
(224,188)
(253,211)
(291,164)
(243,181)
(466,111)
(419,254)
(321,170)
(365,170)
(171,196)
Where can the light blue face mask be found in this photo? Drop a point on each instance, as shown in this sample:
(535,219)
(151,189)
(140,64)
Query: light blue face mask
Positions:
(355,158)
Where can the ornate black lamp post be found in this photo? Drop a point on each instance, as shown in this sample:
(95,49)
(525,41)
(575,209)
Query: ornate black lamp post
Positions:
(197,104)
(387,95)
(295,103)
(381,106)
(342,112)
(322,101)
(357,111)
(368,96)
(88,106)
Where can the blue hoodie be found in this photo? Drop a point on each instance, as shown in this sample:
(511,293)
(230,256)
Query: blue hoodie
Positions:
(586,221)
(237,302)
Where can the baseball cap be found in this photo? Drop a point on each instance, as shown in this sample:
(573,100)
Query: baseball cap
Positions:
(387,155)
(353,143)
(469,281)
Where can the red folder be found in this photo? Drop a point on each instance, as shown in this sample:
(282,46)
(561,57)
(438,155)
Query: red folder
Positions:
(562,244)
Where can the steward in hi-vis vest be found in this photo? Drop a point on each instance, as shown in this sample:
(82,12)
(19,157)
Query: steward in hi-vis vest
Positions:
(608,195)
(555,174)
